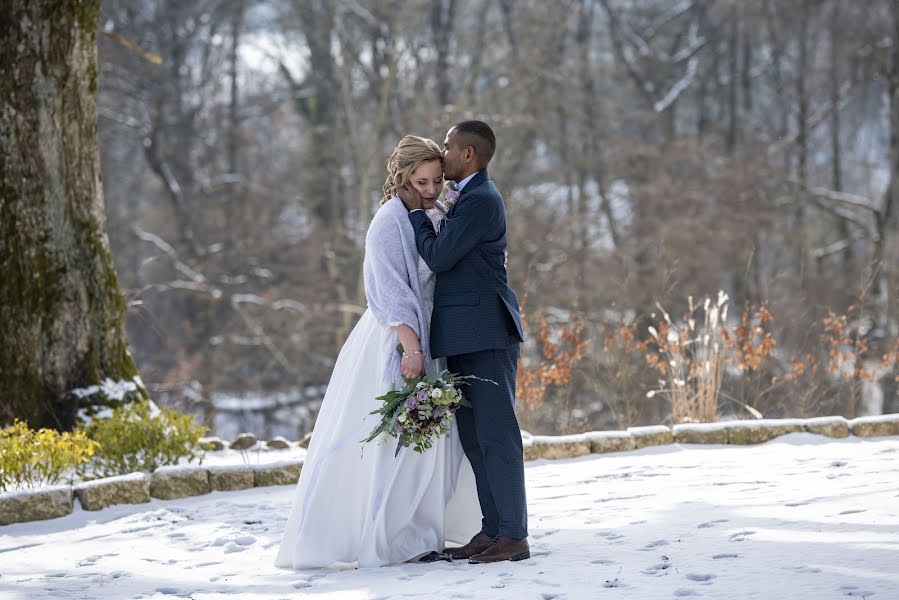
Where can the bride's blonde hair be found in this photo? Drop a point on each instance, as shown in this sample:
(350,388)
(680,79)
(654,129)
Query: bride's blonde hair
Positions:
(409,154)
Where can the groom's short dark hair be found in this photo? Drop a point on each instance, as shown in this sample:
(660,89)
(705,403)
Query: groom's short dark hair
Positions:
(479,135)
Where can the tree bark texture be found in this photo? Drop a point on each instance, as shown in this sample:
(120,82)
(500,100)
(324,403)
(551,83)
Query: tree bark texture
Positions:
(61,310)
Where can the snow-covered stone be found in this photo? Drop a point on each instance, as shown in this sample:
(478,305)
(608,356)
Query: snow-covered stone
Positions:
(700,433)
(875,426)
(179,481)
(562,446)
(652,435)
(278,443)
(125,489)
(835,427)
(610,441)
(304,442)
(243,441)
(226,478)
(35,505)
(212,443)
(760,430)
(283,473)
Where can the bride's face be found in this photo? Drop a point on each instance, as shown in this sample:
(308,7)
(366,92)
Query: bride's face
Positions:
(428,180)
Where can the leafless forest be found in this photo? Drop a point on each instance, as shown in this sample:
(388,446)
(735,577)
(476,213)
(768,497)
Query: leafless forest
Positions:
(650,151)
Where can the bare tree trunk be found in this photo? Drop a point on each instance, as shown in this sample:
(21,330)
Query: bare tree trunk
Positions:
(733,64)
(443,17)
(836,152)
(802,95)
(233,114)
(802,146)
(508,9)
(746,71)
(778,50)
(320,107)
(593,153)
(886,219)
(61,311)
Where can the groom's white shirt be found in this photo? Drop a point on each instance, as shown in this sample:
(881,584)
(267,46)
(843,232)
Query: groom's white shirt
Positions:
(464,182)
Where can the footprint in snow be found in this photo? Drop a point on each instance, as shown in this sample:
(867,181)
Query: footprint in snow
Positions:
(684,592)
(854,511)
(709,524)
(741,536)
(726,555)
(92,560)
(657,569)
(235,544)
(801,502)
(852,590)
(805,569)
(170,591)
(232,547)
(701,577)
(654,545)
(546,533)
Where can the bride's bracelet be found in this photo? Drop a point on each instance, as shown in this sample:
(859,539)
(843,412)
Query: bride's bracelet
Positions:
(409,354)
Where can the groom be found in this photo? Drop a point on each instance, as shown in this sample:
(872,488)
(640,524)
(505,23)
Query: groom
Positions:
(476,325)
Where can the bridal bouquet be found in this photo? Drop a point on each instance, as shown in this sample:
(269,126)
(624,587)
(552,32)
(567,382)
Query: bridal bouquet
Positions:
(421,411)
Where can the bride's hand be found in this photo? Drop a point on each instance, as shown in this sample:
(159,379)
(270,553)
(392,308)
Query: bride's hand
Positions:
(412,365)
(409,195)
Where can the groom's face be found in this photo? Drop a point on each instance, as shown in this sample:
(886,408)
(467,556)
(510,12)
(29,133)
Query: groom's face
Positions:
(452,156)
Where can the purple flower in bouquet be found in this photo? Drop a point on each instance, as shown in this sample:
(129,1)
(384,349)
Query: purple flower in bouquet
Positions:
(422,396)
(412,402)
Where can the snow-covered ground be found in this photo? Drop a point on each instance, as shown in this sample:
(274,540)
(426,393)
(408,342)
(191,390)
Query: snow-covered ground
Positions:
(801,517)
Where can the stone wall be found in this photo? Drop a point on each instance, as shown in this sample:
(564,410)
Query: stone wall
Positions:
(183,481)
(166,483)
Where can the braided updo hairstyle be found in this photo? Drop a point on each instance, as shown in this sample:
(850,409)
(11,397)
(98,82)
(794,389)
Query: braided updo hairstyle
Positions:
(409,154)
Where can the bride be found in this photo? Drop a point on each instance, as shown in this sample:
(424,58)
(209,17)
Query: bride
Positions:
(357,503)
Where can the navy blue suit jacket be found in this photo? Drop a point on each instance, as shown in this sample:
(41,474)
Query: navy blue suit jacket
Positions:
(474,307)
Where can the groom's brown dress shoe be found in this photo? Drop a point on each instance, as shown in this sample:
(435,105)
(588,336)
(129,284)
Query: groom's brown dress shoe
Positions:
(478,544)
(503,549)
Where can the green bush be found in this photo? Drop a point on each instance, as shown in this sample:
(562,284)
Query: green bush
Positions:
(32,458)
(138,437)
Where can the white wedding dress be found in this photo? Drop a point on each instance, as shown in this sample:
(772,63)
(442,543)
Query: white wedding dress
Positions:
(357,503)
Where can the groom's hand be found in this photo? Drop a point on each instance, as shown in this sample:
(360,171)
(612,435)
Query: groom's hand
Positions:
(410,196)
